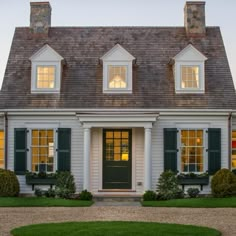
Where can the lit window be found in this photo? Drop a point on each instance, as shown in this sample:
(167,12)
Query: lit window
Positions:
(46,71)
(190,77)
(42,150)
(233,150)
(45,77)
(117,76)
(192,150)
(2,149)
(189,71)
(117,70)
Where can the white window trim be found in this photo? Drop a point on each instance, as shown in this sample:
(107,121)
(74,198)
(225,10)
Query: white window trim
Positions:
(32,126)
(56,89)
(205,147)
(129,75)
(178,76)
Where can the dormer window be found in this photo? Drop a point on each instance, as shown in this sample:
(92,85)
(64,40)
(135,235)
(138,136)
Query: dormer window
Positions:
(190,77)
(189,71)
(117,71)
(117,77)
(46,71)
(46,76)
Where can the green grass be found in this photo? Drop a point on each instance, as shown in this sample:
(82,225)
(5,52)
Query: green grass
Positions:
(113,228)
(194,203)
(41,202)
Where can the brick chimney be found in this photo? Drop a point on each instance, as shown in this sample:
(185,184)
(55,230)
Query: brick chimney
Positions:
(40,17)
(194,19)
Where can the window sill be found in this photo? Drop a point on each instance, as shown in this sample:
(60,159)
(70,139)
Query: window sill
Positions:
(117,91)
(182,91)
(45,91)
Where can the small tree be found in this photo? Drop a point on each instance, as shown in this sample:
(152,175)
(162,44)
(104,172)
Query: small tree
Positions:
(167,186)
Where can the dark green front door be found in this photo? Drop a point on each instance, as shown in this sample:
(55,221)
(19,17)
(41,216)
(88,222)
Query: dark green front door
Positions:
(117,167)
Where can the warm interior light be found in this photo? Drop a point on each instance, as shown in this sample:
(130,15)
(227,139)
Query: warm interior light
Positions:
(125,157)
(117,82)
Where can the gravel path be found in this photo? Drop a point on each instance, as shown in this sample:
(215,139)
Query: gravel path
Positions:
(223,219)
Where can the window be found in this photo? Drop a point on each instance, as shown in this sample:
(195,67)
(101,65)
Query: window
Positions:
(46,71)
(46,77)
(42,150)
(233,149)
(117,70)
(191,149)
(189,71)
(190,77)
(117,77)
(117,145)
(2,149)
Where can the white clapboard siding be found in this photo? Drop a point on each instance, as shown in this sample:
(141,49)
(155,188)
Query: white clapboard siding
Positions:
(63,122)
(174,122)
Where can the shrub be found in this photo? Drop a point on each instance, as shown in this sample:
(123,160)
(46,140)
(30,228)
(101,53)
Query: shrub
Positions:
(223,183)
(50,193)
(193,192)
(234,171)
(85,195)
(167,186)
(149,196)
(65,185)
(38,192)
(9,184)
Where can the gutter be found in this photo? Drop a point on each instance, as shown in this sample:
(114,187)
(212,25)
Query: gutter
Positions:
(6,138)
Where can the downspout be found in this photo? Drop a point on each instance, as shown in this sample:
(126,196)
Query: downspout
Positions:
(230,139)
(6,139)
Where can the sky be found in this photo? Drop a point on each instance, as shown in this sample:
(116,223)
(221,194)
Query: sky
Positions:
(15,13)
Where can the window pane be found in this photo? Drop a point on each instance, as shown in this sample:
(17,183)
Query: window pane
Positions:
(191,150)
(117,76)
(190,77)
(233,156)
(2,143)
(46,77)
(42,150)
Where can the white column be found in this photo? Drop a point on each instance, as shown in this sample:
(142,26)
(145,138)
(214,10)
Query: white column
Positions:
(87,140)
(147,158)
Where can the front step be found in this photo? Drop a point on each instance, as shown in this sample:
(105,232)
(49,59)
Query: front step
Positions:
(115,198)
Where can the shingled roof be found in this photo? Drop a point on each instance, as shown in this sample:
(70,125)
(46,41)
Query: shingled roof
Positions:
(153,81)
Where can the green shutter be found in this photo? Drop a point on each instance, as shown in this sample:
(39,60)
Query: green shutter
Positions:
(170,149)
(63,150)
(20,151)
(214,150)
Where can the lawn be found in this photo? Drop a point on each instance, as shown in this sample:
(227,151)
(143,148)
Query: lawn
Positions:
(113,228)
(41,202)
(206,202)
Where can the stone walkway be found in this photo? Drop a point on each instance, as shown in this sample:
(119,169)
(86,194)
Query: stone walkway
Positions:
(223,219)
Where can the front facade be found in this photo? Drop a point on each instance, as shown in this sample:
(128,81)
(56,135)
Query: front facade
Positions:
(117,106)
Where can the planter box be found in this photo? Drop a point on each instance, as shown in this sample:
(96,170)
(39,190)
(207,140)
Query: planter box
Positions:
(40,181)
(194,181)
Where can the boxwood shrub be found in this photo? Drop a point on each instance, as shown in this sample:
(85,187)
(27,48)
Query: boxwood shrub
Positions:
(9,184)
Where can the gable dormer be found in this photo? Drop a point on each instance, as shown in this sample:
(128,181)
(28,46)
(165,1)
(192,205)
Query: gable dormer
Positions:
(117,70)
(46,71)
(189,71)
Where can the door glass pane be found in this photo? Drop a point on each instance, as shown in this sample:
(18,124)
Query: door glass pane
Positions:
(117,145)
